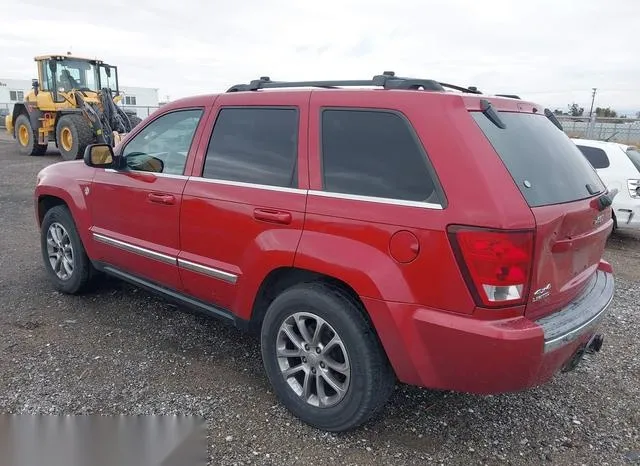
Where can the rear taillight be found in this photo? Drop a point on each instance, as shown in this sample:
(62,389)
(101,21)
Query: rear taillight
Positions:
(634,188)
(496,263)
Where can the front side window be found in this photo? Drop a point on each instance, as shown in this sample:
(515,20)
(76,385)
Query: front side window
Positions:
(596,157)
(108,76)
(47,76)
(254,145)
(634,155)
(163,145)
(375,154)
(76,74)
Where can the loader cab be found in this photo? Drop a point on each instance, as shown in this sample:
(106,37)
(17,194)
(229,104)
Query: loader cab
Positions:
(108,78)
(61,74)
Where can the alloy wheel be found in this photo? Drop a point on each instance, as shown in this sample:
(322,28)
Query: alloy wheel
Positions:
(60,251)
(313,359)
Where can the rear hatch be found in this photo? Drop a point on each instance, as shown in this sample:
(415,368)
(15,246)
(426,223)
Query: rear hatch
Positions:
(562,189)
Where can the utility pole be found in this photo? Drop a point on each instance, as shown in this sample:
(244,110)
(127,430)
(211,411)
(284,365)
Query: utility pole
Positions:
(593,98)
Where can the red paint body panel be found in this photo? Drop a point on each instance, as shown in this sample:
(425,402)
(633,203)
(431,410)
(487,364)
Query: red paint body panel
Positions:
(251,252)
(568,250)
(68,181)
(224,226)
(442,351)
(411,285)
(138,221)
(357,253)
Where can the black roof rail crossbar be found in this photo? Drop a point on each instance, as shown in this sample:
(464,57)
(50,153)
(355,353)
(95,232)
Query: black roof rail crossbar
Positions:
(387,80)
(511,96)
(468,90)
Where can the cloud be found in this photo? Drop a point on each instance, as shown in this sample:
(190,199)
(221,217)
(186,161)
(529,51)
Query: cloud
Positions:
(551,52)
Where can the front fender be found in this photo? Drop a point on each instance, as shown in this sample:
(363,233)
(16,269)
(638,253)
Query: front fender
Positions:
(51,183)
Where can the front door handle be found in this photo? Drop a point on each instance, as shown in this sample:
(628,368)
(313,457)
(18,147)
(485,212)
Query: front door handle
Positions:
(273,216)
(159,198)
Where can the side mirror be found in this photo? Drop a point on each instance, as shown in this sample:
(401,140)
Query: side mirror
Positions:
(99,156)
(36,85)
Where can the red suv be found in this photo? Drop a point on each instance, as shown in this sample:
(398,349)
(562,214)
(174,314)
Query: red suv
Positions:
(369,231)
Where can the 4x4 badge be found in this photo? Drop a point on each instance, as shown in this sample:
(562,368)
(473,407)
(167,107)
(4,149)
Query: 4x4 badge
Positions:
(541,293)
(598,220)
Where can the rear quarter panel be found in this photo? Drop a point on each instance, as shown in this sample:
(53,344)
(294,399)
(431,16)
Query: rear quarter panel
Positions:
(350,239)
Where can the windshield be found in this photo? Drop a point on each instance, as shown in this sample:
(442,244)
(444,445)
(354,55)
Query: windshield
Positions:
(108,77)
(634,155)
(76,74)
(547,167)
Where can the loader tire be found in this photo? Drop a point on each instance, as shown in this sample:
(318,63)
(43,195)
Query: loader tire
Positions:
(134,120)
(73,135)
(27,137)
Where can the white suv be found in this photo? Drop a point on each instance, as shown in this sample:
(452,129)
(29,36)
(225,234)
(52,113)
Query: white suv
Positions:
(619,167)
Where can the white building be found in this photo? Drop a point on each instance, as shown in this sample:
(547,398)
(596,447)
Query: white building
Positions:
(143,99)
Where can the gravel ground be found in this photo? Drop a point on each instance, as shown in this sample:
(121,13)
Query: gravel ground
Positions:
(120,350)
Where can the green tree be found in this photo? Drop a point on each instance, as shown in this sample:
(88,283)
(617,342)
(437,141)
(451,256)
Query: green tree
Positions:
(606,112)
(575,110)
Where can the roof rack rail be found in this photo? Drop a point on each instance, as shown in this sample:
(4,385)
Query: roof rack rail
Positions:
(468,90)
(510,96)
(386,80)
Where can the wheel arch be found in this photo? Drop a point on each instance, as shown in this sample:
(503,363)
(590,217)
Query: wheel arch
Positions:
(48,197)
(283,278)
(45,203)
(19,108)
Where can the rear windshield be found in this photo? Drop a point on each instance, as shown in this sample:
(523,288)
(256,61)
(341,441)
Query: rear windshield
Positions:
(634,155)
(545,164)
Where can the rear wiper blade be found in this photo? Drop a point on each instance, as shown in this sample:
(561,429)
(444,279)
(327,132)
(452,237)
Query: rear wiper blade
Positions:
(554,119)
(491,113)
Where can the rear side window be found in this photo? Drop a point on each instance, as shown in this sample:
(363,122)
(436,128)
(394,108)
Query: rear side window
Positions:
(375,154)
(596,157)
(545,164)
(634,155)
(254,145)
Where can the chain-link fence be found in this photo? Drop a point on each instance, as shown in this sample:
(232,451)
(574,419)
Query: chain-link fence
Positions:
(623,130)
(141,110)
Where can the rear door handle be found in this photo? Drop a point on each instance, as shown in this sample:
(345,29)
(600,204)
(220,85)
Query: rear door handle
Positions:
(273,216)
(159,198)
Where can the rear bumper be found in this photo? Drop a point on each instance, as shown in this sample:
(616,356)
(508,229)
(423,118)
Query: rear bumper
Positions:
(580,316)
(440,350)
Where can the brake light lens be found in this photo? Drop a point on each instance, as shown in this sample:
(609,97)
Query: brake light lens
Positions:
(496,264)
(634,188)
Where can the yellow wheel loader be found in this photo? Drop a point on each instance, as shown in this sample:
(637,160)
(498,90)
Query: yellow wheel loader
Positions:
(73,103)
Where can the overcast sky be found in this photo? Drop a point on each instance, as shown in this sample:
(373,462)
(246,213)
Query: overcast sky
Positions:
(552,52)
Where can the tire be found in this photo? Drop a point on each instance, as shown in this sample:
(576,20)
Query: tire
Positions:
(134,120)
(73,135)
(59,219)
(27,137)
(371,379)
